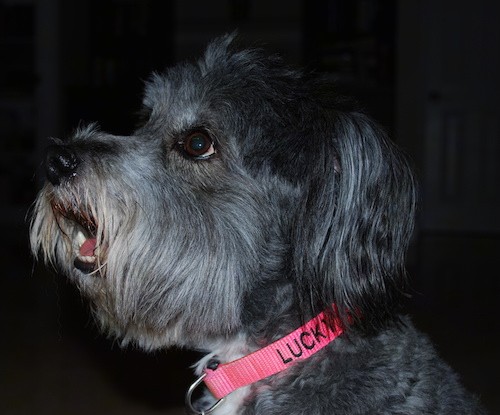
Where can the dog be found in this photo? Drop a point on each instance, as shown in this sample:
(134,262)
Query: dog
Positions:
(253,212)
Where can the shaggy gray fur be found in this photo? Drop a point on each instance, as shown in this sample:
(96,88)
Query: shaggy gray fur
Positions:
(248,201)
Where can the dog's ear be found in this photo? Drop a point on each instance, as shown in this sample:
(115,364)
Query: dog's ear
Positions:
(355,221)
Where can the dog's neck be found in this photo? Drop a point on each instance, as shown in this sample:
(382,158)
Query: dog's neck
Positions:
(226,350)
(242,371)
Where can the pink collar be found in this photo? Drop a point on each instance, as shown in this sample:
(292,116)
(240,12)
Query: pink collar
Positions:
(274,358)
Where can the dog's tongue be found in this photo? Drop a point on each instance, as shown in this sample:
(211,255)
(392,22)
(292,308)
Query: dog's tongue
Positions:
(88,247)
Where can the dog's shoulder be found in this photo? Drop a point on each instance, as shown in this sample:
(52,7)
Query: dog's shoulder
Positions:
(396,371)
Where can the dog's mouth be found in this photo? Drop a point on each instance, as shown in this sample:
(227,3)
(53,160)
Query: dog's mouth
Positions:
(83,238)
(86,258)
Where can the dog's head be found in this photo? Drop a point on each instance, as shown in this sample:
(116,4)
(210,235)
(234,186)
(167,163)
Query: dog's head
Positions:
(249,191)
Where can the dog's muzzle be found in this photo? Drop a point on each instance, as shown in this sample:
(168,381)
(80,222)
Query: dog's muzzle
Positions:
(61,164)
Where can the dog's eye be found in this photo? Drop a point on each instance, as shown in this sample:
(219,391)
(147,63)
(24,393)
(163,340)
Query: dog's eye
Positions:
(198,145)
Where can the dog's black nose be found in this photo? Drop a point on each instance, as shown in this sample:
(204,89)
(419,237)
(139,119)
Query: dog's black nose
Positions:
(60,163)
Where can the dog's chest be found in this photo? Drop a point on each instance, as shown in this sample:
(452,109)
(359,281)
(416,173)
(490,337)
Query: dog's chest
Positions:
(233,403)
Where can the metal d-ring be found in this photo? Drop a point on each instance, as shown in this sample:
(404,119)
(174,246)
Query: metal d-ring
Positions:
(189,403)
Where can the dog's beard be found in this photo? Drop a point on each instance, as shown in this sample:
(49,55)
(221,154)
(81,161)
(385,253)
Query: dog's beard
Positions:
(158,275)
(69,228)
(61,226)
(81,232)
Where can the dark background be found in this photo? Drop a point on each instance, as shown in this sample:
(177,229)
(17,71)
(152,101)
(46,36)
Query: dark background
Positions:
(426,70)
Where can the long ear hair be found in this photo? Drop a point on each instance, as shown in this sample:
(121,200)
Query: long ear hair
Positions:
(355,223)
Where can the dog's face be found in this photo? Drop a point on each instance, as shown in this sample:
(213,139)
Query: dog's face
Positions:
(245,190)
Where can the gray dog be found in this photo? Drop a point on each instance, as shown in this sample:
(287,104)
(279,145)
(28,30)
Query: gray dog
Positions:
(256,217)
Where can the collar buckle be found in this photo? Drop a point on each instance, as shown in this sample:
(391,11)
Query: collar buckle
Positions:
(189,399)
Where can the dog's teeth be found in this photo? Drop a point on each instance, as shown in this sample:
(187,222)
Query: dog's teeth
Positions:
(80,238)
(89,259)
